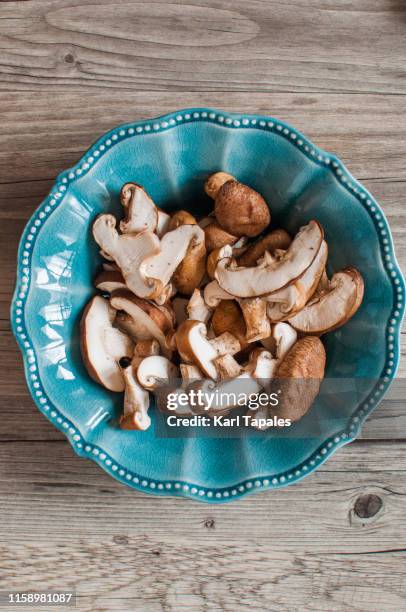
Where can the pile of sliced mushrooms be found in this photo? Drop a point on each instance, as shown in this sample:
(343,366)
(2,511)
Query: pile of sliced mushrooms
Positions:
(211,301)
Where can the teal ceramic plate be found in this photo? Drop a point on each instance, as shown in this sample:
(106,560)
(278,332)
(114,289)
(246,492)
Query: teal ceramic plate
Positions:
(171,156)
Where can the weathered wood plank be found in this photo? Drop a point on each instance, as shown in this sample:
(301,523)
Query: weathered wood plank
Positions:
(74,495)
(153,573)
(243,46)
(38,140)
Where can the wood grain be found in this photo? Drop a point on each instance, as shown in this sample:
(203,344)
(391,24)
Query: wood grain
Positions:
(69,71)
(302,547)
(211,46)
(73,498)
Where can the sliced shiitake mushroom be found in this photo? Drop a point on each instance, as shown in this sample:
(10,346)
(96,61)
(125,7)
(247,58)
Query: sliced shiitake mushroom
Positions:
(183,250)
(255,317)
(163,222)
(109,281)
(189,273)
(286,302)
(129,252)
(147,320)
(156,371)
(214,258)
(140,211)
(334,306)
(277,239)
(271,275)
(102,345)
(197,308)
(136,400)
(194,347)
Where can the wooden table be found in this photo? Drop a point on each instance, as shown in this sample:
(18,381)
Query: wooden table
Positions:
(71,70)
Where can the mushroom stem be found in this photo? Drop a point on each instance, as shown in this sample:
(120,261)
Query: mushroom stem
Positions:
(227,367)
(190,373)
(136,402)
(226,343)
(197,308)
(256,320)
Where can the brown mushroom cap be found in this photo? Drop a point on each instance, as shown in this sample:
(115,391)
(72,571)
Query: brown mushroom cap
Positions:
(217,237)
(277,239)
(109,280)
(181,217)
(190,272)
(240,210)
(228,317)
(299,377)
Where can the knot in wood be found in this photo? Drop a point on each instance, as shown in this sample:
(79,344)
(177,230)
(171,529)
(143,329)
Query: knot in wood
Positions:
(368,505)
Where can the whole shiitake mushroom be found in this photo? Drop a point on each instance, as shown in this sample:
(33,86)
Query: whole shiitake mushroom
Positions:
(214,183)
(240,210)
(299,376)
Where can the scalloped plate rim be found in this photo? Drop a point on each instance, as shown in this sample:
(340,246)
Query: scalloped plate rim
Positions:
(183,488)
